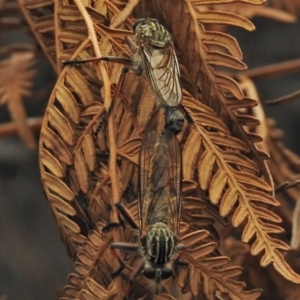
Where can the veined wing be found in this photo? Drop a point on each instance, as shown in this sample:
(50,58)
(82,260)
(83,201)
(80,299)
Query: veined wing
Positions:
(162,71)
(160,181)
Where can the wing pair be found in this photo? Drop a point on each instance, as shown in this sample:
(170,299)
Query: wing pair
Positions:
(160,170)
(162,71)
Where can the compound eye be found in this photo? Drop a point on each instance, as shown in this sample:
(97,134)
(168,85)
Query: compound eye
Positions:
(150,272)
(138,22)
(166,273)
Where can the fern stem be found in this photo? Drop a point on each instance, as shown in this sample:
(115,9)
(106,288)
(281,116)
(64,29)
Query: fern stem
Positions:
(111,132)
(93,38)
(10,128)
(217,92)
(282,68)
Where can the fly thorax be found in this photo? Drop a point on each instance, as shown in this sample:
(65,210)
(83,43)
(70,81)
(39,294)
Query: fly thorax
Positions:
(174,119)
(159,244)
(152,32)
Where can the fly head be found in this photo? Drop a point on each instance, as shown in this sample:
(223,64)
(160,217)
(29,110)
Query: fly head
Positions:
(174,119)
(158,273)
(152,32)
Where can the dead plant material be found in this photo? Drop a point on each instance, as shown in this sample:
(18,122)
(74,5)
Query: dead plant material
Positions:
(229,209)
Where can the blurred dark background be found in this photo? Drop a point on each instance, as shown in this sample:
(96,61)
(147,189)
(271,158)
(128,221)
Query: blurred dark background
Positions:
(33,260)
(275,42)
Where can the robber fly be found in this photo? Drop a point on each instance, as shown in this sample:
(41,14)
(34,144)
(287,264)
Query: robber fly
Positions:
(154,55)
(159,205)
(155,48)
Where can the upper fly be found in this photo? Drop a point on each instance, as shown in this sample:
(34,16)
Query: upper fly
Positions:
(153,53)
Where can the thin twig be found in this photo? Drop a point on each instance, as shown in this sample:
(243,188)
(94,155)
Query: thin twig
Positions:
(286,185)
(10,128)
(276,69)
(285,99)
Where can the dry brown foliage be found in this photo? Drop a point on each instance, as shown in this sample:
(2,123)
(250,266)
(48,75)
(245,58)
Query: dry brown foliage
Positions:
(231,219)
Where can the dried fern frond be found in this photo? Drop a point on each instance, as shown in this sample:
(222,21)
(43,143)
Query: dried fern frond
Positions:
(282,172)
(75,161)
(250,11)
(85,174)
(93,262)
(204,65)
(70,29)
(40,18)
(286,172)
(208,273)
(7,50)
(228,182)
(8,19)
(16,75)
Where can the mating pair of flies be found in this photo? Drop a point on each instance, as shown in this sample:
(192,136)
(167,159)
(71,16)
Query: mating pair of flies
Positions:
(160,163)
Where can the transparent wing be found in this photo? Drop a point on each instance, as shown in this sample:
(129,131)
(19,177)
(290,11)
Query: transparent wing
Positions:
(174,179)
(146,154)
(160,181)
(162,71)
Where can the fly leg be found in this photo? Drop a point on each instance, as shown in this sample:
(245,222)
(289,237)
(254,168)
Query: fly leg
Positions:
(180,248)
(119,60)
(124,247)
(112,225)
(136,271)
(123,211)
(185,113)
(133,275)
(130,66)
(123,214)
(133,65)
(127,62)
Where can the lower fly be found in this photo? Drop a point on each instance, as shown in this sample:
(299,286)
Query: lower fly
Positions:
(159,205)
